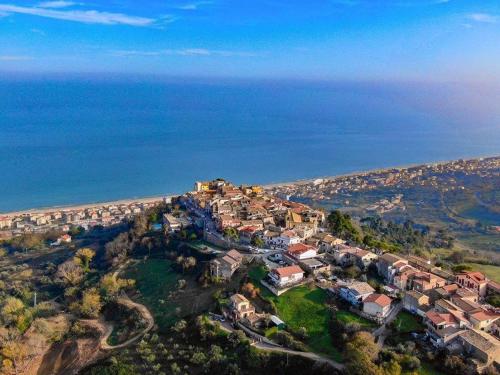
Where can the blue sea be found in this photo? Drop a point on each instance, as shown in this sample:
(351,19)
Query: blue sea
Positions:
(68,140)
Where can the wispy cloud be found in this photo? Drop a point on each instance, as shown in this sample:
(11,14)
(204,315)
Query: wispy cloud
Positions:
(483,17)
(184,52)
(57,4)
(85,16)
(193,6)
(14,58)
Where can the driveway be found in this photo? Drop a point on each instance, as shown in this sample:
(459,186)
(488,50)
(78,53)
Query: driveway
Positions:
(382,332)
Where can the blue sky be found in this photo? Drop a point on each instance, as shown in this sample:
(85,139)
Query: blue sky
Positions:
(422,40)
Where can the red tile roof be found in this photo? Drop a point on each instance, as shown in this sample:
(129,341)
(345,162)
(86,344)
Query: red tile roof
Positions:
(299,248)
(440,318)
(379,299)
(288,271)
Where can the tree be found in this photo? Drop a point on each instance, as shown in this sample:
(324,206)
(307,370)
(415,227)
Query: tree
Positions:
(360,354)
(83,257)
(90,306)
(118,249)
(250,290)
(70,273)
(12,308)
(27,241)
(341,226)
(231,233)
(18,355)
(257,242)
(111,284)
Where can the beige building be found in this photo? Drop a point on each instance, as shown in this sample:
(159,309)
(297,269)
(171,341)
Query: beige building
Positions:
(226,266)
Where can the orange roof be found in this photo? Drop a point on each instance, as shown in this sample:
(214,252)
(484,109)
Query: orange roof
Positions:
(288,271)
(483,315)
(450,288)
(379,299)
(474,275)
(440,318)
(299,248)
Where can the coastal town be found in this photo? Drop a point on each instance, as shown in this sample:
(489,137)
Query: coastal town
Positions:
(293,241)
(442,176)
(262,257)
(62,219)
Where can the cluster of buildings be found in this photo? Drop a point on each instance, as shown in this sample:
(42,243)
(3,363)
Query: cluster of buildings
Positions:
(452,306)
(63,219)
(252,213)
(437,175)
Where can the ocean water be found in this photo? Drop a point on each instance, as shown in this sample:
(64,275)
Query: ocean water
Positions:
(68,140)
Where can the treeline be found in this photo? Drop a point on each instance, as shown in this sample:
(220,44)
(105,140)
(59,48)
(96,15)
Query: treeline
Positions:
(374,232)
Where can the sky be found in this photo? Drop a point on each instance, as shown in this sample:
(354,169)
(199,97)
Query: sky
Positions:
(417,40)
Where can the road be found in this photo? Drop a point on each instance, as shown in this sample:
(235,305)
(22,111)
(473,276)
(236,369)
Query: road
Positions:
(382,332)
(146,314)
(226,326)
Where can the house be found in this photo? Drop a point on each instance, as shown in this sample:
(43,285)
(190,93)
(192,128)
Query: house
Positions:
(416,302)
(226,266)
(347,256)
(286,276)
(5,222)
(283,240)
(246,233)
(65,238)
(377,305)
(388,264)
(226,221)
(481,346)
(300,251)
(473,280)
(270,237)
(314,266)
(305,230)
(172,223)
(483,320)
(356,292)
(423,281)
(441,327)
(326,242)
(240,306)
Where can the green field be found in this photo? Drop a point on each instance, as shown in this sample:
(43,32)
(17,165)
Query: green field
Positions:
(493,272)
(154,280)
(406,323)
(347,317)
(302,307)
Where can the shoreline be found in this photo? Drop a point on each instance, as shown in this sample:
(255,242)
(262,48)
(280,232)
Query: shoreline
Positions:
(377,170)
(84,206)
(128,201)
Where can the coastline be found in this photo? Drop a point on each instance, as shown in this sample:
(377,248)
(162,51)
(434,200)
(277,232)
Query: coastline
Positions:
(129,201)
(84,206)
(370,171)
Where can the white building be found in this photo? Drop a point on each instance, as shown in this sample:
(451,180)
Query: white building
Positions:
(285,276)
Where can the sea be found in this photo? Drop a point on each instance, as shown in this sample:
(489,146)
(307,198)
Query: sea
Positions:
(68,140)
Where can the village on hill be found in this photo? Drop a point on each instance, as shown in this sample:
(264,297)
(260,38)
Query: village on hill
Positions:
(293,243)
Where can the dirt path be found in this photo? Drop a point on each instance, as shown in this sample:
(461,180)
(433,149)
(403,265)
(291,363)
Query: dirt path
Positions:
(146,314)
